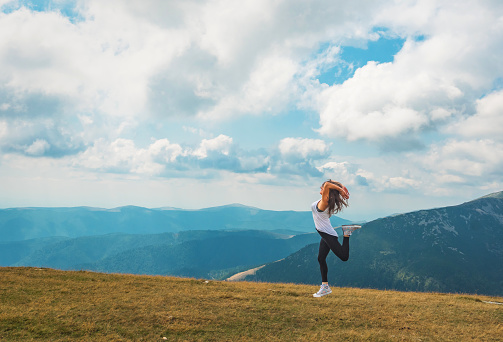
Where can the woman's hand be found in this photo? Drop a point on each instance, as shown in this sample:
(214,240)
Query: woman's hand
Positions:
(344,192)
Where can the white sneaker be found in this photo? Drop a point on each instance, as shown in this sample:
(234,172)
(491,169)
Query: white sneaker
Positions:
(348,229)
(324,290)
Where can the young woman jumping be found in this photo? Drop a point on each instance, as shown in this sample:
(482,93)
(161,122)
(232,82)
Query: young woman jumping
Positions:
(334,197)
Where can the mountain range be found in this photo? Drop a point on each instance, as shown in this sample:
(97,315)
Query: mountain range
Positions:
(17,224)
(452,249)
(208,243)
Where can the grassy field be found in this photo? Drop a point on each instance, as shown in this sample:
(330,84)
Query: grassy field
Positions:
(45,304)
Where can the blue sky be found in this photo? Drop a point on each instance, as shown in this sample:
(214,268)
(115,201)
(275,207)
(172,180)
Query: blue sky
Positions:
(202,103)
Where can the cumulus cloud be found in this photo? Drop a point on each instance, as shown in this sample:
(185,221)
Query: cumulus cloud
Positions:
(344,172)
(38,138)
(102,63)
(467,159)
(487,122)
(375,175)
(160,158)
(386,100)
(301,148)
(3,129)
(402,182)
(431,79)
(298,157)
(4,2)
(38,147)
(268,90)
(218,58)
(220,144)
(361,177)
(122,156)
(164,150)
(292,157)
(208,58)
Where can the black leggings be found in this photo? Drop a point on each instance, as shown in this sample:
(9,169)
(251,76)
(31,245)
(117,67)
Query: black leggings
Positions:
(330,242)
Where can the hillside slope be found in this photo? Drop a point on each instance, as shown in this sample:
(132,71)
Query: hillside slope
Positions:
(14,251)
(215,256)
(452,249)
(49,305)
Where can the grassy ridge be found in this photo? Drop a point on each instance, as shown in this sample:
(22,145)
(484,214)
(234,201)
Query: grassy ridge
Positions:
(62,306)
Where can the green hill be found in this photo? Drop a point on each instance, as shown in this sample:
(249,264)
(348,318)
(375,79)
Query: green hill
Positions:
(49,305)
(452,249)
(14,251)
(216,254)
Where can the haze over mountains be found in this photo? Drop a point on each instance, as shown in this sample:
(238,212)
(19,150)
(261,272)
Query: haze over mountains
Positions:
(451,249)
(18,224)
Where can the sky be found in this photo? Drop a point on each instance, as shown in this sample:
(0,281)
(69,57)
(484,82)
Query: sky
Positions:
(201,103)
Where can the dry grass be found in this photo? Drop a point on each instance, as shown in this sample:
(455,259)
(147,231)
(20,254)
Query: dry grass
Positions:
(66,306)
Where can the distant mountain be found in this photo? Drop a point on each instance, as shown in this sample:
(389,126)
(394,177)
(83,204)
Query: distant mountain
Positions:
(65,253)
(452,249)
(19,224)
(205,254)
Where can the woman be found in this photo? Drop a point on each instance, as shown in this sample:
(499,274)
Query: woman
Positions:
(334,197)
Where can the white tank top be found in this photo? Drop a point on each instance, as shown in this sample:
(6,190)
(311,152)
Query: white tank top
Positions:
(322,220)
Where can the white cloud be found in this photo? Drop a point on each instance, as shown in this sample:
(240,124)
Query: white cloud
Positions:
(213,156)
(239,22)
(430,79)
(343,172)
(402,182)
(325,60)
(219,58)
(118,155)
(198,131)
(100,64)
(160,158)
(258,51)
(486,122)
(38,137)
(122,156)
(166,151)
(303,148)
(254,164)
(385,100)
(38,148)
(3,129)
(467,159)
(214,58)
(354,175)
(5,2)
(220,144)
(299,156)
(269,87)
